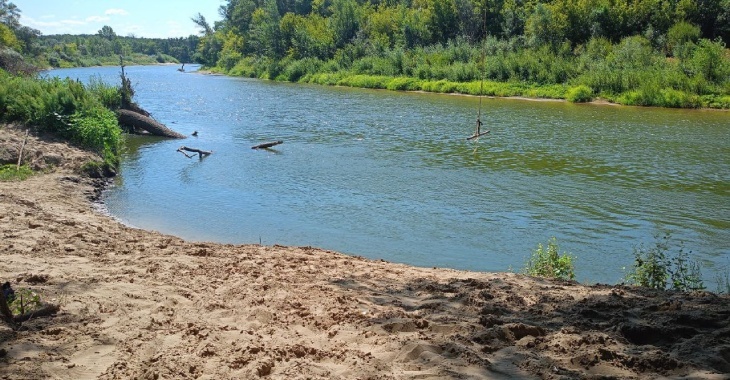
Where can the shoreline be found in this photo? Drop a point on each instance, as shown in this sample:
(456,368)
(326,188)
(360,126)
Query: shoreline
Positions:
(595,101)
(136,303)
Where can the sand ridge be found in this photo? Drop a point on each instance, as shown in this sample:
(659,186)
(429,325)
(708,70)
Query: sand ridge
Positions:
(140,304)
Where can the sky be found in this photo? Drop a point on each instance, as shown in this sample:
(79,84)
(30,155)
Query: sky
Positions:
(141,18)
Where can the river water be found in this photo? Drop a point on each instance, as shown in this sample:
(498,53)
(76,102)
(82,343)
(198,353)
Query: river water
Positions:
(390,175)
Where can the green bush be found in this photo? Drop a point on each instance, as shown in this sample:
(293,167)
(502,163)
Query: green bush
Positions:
(579,94)
(665,265)
(97,129)
(404,84)
(65,107)
(547,262)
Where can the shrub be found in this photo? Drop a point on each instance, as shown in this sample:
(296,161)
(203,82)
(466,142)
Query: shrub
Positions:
(97,129)
(657,267)
(579,94)
(24,300)
(547,262)
(404,84)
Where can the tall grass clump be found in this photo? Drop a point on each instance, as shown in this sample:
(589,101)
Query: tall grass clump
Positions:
(665,265)
(109,96)
(546,261)
(579,94)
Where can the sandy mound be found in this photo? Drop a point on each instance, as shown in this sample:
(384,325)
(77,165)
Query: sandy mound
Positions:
(139,304)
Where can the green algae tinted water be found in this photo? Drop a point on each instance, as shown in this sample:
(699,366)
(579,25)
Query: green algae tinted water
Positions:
(390,175)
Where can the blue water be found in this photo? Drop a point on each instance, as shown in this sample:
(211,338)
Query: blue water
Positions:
(390,175)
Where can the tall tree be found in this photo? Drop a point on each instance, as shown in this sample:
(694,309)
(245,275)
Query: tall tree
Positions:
(9,14)
(200,21)
(107,32)
(344,21)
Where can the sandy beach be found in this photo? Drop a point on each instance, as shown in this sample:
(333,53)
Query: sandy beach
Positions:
(138,304)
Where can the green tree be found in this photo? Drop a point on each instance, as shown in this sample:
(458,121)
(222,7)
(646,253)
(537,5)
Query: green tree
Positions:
(237,15)
(444,20)
(200,21)
(307,36)
(344,21)
(681,39)
(232,50)
(707,61)
(9,14)
(545,27)
(7,38)
(264,34)
(107,33)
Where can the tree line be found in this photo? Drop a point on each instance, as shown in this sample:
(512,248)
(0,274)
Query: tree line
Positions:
(648,52)
(92,50)
(23,48)
(644,52)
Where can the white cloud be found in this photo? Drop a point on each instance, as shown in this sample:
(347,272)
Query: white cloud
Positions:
(96,18)
(116,11)
(53,24)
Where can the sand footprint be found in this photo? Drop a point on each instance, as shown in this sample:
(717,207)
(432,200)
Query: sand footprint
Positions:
(86,364)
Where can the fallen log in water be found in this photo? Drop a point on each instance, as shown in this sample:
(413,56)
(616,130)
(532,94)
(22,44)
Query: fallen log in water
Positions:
(200,153)
(154,127)
(267,145)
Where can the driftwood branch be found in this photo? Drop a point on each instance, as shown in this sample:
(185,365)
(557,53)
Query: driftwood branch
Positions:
(201,153)
(267,145)
(20,156)
(44,311)
(477,135)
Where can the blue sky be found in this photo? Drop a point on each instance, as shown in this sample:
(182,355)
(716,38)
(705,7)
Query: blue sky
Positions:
(142,18)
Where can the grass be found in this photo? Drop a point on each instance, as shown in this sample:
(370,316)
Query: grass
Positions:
(11,172)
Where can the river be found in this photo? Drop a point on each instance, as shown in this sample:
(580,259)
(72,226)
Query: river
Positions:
(390,175)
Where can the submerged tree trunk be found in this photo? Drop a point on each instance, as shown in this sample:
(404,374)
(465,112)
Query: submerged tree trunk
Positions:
(137,120)
(267,145)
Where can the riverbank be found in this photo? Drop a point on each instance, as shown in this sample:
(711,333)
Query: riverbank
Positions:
(139,304)
(516,91)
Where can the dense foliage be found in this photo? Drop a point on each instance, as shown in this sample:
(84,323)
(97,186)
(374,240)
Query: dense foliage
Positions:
(64,107)
(643,52)
(105,47)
